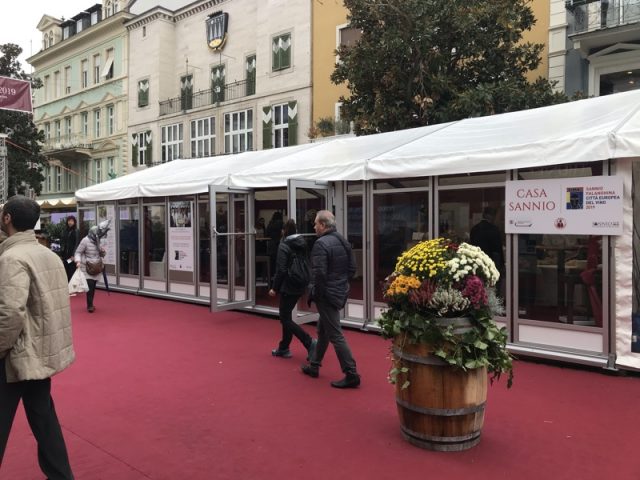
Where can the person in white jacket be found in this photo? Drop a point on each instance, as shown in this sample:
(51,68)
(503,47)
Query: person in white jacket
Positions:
(89,250)
(35,334)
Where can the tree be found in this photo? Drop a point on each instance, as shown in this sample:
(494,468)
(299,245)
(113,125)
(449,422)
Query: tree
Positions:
(23,152)
(421,62)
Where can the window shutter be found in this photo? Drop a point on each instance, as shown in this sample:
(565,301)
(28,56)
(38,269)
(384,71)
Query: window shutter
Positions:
(148,150)
(134,149)
(267,124)
(275,64)
(293,123)
(285,53)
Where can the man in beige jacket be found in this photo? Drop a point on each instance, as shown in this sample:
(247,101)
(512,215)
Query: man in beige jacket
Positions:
(35,334)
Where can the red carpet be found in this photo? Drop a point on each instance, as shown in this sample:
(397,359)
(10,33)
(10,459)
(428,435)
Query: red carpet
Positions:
(166,390)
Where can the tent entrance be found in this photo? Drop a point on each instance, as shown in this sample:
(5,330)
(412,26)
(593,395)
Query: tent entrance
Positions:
(232,248)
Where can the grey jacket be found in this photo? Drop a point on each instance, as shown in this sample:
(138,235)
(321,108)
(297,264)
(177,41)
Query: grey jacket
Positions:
(332,265)
(35,318)
(88,251)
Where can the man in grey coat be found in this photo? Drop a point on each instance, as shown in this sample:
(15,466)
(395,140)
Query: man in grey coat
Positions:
(332,265)
(35,334)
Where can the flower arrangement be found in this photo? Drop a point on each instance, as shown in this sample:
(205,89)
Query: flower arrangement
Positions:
(438,279)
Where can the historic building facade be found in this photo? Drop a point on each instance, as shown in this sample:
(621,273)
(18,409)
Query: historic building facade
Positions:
(82,106)
(595,46)
(216,77)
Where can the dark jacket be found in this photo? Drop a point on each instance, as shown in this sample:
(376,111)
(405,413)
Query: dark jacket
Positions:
(69,242)
(487,236)
(332,265)
(291,244)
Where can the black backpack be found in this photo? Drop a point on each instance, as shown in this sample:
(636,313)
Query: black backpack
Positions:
(298,273)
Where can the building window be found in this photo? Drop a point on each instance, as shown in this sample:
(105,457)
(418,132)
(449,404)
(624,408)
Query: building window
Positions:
(47,131)
(96,69)
(96,124)
(171,142)
(98,170)
(56,85)
(49,179)
(84,74)
(67,80)
(186,92)
(280,126)
(281,49)
(58,132)
(115,7)
(79,25)
(66,32)
(109,9)
(238,131)
(110,119)
(84,119)
(68,179)
(217,84)
(348,37)
(144,31)
(143,93)
(107,71)
(95,17)
(67,129)
(111,167)
(142,145)
(58,179)
(203,137)
(47,87)
(250,68)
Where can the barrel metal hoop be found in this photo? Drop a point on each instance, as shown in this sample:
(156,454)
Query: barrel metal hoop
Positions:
(430,360)
(433,438)
(441,412)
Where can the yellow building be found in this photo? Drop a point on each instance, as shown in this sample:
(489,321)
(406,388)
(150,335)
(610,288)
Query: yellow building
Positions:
(329,20)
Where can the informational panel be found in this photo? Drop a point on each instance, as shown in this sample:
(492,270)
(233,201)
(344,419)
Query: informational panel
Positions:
(181,236)
(567,206)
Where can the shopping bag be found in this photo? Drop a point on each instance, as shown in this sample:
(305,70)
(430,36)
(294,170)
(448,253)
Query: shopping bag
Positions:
(78,283)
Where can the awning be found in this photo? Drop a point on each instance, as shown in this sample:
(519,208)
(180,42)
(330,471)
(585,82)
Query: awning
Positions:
(107,67)
(57,202)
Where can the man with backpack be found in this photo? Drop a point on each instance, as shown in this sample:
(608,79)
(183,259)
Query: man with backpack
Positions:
(291,280)
(332,265)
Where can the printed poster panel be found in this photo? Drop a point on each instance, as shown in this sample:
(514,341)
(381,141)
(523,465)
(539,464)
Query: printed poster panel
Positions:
(108,212)
(15,95)
(180,236)
(567,206)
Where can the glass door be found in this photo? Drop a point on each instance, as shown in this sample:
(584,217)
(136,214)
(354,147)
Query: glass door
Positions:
(232,248)
(306,198)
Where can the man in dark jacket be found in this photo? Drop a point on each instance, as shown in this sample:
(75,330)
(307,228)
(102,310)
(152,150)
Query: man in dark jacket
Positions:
(332,265)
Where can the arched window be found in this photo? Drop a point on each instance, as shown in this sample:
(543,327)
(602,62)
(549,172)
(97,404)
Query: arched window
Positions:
(116,7)
(109,9)
(51,42)
(45,41)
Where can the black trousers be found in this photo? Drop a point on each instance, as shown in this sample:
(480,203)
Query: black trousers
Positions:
(70,268)
(289,327)
(92,292)
(330,331)
(41,414)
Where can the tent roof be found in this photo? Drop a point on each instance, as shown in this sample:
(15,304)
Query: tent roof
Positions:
(581,131)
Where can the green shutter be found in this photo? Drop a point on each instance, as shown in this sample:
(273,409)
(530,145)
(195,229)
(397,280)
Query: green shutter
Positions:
(285,61)
(267,124)
(149,149)
(134,149)
(275,54)
(293,123)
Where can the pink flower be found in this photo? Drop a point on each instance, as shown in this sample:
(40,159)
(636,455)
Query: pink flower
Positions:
(474,291)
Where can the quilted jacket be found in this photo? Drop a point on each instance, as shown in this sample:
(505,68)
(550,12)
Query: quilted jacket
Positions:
(35,319)
(87,251)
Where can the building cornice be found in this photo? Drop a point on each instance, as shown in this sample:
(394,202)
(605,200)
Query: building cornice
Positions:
(161,13)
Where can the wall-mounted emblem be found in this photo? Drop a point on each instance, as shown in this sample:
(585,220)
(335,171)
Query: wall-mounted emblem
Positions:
(217,24)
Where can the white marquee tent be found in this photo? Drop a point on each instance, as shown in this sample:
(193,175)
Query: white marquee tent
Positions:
(581,131)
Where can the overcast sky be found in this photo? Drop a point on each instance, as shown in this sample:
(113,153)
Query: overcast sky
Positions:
(20,18)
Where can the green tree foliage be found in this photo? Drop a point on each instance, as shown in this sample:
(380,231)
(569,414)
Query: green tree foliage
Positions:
(421,62)
(25,161)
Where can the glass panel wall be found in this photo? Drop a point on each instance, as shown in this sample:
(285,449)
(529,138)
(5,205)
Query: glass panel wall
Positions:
(204,241)
(355,228)
(560,277)
(86,220)
(129,220)
(400,220)
(155,253)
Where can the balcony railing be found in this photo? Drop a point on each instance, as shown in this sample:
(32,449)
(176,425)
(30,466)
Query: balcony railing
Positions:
(65,142)
(213,96)
(590,16)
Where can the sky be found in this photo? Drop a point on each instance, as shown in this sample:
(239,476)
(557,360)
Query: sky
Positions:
(19,21)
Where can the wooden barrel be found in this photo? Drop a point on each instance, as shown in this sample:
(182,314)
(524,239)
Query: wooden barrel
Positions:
(443,407)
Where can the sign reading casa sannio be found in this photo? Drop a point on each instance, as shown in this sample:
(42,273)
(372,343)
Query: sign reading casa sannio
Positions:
(217,24)
(15,95)
(571,206)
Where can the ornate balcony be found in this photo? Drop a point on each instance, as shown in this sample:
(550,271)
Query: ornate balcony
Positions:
(69,147)
(203,98)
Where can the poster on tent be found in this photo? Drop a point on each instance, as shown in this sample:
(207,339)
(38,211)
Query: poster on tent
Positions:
(108,212)
(565,206)
(180,237)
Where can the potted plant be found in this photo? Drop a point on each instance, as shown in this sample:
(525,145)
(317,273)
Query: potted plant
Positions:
(441,302)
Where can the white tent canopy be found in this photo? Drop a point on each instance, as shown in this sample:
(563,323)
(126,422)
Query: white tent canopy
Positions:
(581,131)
